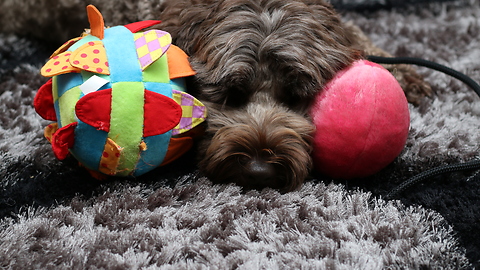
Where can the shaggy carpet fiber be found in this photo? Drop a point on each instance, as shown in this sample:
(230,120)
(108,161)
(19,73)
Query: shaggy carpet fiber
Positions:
(53,215)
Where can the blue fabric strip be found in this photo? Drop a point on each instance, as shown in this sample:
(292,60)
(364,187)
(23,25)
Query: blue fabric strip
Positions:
(89,145)
(122,55)
(179,84)
(160,88)
(157,147)
(68,81)
(57,112)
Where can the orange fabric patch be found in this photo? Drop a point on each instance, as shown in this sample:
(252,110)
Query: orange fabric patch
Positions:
(49,131)
(178,65)
(92,57)
(59,64)
(95,19)
(110,158)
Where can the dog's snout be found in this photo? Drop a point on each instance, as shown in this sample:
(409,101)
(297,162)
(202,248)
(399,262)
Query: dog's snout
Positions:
(260,171)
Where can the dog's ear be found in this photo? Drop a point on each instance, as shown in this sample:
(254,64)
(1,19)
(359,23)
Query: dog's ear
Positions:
(301,65)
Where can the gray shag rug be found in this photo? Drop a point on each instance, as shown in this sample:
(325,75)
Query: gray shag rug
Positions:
(53,215)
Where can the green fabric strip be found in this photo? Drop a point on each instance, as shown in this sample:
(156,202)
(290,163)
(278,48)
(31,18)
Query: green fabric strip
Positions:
(157,71)
(126,123)
(67,104)
(55,88)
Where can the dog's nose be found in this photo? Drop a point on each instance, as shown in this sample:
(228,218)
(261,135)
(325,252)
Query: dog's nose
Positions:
(260,171)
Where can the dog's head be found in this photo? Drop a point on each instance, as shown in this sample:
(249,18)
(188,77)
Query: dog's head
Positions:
(262,145)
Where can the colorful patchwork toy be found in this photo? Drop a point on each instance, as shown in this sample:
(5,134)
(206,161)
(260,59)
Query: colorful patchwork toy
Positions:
(117,96)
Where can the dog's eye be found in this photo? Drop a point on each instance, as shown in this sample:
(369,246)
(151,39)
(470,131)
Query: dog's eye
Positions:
(267,152)
(229,96)
(295,102)
(243,159)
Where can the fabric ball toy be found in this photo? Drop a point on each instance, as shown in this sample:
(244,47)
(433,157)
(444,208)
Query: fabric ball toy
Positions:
(118,98)
(362,122)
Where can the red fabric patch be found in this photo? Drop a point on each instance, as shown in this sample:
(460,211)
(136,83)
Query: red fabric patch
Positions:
(43,102)
(161,114)
(137,26)
(63,139)
(95,108)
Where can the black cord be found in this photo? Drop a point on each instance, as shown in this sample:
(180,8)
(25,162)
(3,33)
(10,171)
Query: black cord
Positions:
(474,164)
(429,64)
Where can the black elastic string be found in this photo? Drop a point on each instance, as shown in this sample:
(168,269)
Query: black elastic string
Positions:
(474,164)
(470,165)
(429,64)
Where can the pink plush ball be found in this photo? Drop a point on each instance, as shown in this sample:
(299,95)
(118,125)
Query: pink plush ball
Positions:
(362,122)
